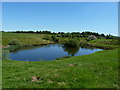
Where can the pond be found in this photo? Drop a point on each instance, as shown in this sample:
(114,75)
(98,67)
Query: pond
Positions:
(48,52)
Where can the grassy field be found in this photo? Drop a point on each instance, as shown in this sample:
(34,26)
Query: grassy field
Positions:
(98,70)
(33,39)
(104,43)
(26,39)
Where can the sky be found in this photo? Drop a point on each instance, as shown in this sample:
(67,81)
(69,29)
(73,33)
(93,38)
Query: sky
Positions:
(101,17)
(60,0)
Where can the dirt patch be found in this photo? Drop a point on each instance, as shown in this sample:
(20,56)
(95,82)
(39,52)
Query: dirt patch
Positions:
(35,78)
(71,65)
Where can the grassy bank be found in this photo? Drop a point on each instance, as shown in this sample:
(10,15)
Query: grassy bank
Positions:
(107,44)
(26,39)
(38,39)
(98,70)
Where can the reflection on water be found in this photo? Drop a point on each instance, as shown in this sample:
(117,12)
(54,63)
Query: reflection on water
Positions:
(48,52)
(26,48)
(71,50)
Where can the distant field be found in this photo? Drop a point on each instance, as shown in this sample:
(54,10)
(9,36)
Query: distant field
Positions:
(98,70)
(24,38)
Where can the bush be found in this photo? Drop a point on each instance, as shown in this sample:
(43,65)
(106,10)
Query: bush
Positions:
(115,42)
(91,37)
(72,43)
(15,42)
(47,37)
(55,39)
(51,38)
(83,43)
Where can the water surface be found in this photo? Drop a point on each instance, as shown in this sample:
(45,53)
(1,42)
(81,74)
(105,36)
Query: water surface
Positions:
(48,52)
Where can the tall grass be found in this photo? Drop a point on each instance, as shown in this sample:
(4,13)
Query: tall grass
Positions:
(104,43)
(26,39)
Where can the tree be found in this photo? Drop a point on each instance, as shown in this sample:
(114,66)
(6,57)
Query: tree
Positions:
(72,43)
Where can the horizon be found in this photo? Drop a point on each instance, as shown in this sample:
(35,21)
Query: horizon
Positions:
(55,32)
(99,17)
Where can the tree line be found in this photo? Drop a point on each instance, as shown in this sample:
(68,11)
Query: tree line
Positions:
(68,34)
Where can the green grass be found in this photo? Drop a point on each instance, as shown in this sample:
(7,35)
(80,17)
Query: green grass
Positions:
(103,43)
(99,41)
(0,74)
(26,39)
(98,70)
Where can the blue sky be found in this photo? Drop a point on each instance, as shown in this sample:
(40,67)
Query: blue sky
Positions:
(101,17)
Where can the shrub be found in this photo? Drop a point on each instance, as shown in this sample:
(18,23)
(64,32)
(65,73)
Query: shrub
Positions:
(55,39)
(51,38)
(15,42)
(47,37)
(115,42)
(91,37)
(83,43)
(72,43)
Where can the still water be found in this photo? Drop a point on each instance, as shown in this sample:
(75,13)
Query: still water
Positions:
(48,52)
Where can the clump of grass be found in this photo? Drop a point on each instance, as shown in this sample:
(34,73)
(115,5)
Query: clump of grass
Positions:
(115,42)
(26,39)
(5,54)
(51,38)
(83,43)
(55,39)
(47,37)
(15,42)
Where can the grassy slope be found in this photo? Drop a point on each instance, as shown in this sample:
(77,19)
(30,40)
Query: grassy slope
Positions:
(103,43)
(24,38)
(98,70)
